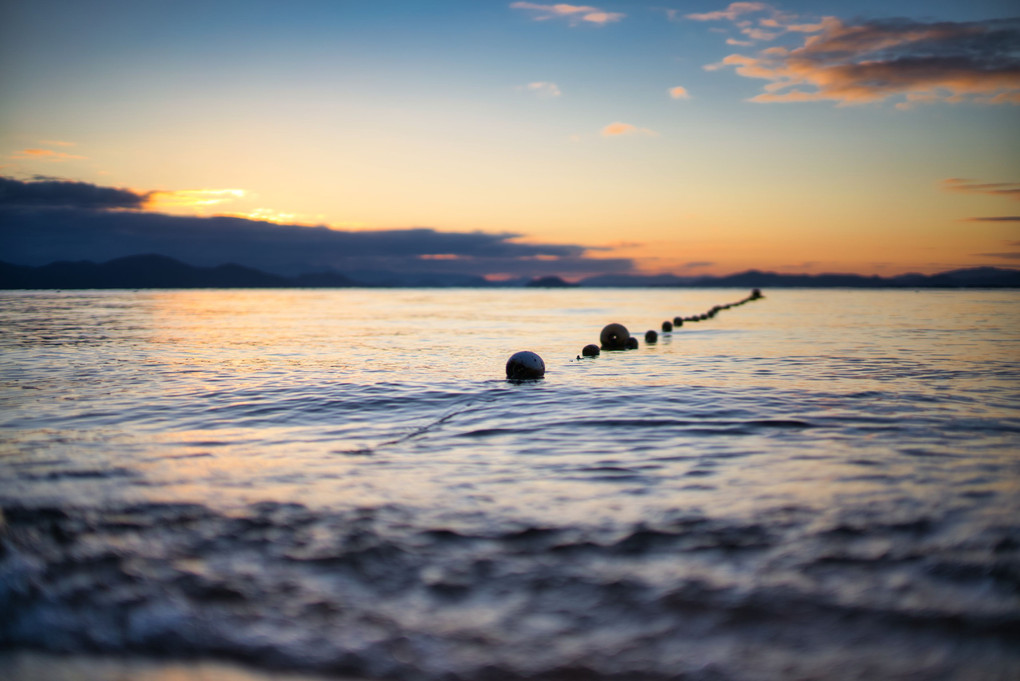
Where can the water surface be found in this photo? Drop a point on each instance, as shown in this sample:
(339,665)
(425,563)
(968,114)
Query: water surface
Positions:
(820,484)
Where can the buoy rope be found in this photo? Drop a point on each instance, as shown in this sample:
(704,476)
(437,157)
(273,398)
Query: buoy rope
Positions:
(527,366)
(616,336)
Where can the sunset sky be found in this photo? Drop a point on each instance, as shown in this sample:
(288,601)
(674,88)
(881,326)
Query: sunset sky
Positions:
(692,137)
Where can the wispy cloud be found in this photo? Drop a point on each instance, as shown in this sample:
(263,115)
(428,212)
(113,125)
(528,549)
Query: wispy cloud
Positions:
(732,12)
(574,14)
(543,89)
(44,155)
(774,24)
(679,92)
(913,61)
(617,128)
(1009,190)
(997,218)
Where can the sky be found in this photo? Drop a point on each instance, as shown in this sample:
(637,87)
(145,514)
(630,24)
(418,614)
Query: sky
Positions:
(514,138)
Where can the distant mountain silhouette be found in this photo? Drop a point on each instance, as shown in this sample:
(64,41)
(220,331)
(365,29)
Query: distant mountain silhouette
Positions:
(549,282)
(138,271)
(980,277)
(157,271)
(642,280)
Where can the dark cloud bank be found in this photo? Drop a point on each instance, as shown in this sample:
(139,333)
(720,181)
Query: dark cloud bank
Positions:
(47,192)
(59,234)
(44,221)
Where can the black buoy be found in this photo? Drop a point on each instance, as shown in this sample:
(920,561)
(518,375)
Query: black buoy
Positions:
(667,326)
(678,321)
(524,365)
(614,337)
(632,343)
(651,336)
(590,350)
(755,294)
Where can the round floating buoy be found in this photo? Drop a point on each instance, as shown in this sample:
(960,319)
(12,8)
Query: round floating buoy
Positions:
(524,365)
(667,326)
(614,337)
(651,336)
(632,343)
(678,321)
(590,350)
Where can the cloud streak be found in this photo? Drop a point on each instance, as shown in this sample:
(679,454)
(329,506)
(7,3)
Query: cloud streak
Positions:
(44,155)
(1007,190)
(574,14)
(679,92)
(912,61)
(1014,255)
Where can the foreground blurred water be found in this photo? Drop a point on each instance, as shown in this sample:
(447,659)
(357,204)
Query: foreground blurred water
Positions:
(820,484)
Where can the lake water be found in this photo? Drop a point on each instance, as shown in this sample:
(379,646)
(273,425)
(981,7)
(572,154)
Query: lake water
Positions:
(823,484)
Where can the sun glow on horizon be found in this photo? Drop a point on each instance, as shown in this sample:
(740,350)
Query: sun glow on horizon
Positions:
(189,200)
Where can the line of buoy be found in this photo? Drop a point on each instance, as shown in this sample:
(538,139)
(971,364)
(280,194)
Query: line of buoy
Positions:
(527,365)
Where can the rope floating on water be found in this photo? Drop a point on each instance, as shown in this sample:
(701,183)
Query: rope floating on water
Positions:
(527,365)
(614,332)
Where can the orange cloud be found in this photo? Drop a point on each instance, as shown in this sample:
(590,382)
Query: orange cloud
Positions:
(870,62)
(679,92)
(616,129)
(573,13)
(44,155)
